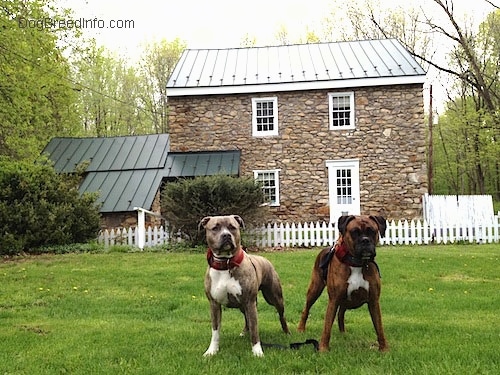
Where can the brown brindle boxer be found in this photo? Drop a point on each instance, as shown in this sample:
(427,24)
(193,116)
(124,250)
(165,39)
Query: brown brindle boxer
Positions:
(351,276)
(234,278)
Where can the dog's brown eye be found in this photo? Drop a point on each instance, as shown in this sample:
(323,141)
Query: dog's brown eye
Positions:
(216,228)
(231,227)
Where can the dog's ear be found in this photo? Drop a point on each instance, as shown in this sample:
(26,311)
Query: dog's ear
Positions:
(381,223)
(343,221)
(203,222)
(239,220)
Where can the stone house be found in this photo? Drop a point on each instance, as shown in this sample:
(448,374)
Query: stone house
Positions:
(328,128)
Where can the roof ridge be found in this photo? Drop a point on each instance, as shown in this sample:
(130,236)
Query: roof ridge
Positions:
(289,45)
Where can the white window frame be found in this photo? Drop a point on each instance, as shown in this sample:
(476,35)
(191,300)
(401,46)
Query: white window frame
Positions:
(276,172)
(265,133)
(352,118)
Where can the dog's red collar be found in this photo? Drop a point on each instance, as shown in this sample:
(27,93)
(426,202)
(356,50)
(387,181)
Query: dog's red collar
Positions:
(223,264)
(341,250)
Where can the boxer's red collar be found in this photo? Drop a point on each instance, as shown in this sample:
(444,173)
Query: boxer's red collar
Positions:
(223,264)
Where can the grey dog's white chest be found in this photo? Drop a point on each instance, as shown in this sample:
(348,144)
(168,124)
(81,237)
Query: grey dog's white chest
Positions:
(223,284)
(356,281)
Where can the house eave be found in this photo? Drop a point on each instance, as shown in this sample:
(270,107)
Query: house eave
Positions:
(295,86)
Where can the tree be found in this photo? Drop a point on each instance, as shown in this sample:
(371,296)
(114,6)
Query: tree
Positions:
(37,94)
(475,99)
(473,65)
(109,94)
(156,67)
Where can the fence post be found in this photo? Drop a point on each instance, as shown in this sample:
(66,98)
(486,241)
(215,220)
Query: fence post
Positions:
(141,227)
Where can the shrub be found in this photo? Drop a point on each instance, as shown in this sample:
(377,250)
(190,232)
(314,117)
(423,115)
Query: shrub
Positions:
(39,208)
(186,202)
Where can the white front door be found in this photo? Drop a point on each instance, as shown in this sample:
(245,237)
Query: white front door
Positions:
(343,186)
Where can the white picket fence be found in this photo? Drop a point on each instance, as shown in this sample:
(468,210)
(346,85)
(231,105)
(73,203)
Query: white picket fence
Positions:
(152,236)
(401,232)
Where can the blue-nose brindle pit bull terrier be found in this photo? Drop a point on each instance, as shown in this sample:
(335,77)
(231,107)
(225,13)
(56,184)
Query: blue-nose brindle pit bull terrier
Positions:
(234,278)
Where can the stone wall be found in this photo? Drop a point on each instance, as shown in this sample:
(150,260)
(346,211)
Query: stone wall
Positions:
(389,141)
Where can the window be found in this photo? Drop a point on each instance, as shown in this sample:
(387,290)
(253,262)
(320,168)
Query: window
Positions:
(344,186)
(264,116)
(270,185)
(341,110)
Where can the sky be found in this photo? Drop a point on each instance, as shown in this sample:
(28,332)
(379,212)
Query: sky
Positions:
(201,23)
(218,23)
(224,23)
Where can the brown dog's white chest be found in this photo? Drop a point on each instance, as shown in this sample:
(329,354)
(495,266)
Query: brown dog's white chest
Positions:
(223,285)
(356,281)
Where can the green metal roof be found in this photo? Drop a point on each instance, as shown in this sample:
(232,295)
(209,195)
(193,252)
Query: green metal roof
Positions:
(109,154)
(192,164)
(128,171)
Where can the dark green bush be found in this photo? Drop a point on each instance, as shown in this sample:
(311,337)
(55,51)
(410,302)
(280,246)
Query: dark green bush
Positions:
(186,202)
(39,208)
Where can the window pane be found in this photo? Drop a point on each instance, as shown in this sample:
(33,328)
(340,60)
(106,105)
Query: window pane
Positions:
(344,186)
(265,116)
(341,110)
(268,182)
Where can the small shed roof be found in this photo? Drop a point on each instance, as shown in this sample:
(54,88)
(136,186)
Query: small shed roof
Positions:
(109,153)
(293,67)
(204,163)
(128,171)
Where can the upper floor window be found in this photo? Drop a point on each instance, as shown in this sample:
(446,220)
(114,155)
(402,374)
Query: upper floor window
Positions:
(341,105)
(269,181)
(264,116)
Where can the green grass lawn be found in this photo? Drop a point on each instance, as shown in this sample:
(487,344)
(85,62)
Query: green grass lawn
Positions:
(146,313)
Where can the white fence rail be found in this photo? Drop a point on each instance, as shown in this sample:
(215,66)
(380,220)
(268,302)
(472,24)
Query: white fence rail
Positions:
(401,232)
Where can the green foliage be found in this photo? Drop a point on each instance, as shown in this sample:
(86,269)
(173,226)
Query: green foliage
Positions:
(186,202)
(54,83)
(109,93)
(156,66)
(37,96)
(466,153)
(39,207)
(466,142)
(116,98)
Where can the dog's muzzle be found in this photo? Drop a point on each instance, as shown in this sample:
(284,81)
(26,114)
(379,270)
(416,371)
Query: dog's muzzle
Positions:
(365,249)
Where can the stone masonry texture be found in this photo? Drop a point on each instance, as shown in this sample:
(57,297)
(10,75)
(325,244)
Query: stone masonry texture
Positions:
(389,141)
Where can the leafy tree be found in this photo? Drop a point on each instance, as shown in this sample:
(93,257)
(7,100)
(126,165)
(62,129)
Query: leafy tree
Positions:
(120,99)
(39,207)
(186,202)
(109,94)
(155,69)
(37,96)
(470,128)
(474,106)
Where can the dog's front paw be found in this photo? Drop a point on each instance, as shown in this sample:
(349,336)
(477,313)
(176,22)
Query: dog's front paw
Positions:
(257,350)
(212,349)
(210,352)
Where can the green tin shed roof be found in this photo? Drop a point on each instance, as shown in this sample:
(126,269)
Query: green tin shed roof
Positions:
(128,171)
